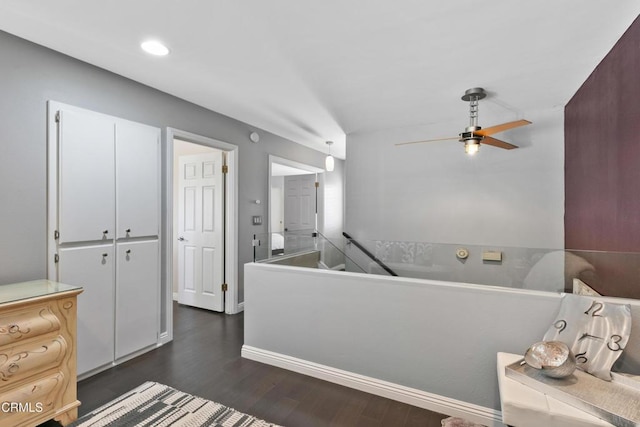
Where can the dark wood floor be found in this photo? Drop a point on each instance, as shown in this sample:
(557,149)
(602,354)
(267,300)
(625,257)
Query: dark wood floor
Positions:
(204,359)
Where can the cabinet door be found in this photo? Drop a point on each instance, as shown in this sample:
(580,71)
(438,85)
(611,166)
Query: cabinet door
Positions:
(92,267)
(86,177)
(137,180)
(137,296)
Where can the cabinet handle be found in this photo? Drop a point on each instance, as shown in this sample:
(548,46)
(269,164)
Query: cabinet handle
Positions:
(105,255)
(128,251)
(105,232)
(128,230)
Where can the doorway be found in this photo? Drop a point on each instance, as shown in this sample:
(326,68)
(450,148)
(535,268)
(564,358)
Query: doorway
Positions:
(201,207)
(198,213)
(293,203)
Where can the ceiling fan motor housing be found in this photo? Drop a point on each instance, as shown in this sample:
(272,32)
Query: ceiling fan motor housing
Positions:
(469,134)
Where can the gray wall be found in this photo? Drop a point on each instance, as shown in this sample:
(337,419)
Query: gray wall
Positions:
(32,75)
(499,200)
(331,204)
(438,337)
(434,192)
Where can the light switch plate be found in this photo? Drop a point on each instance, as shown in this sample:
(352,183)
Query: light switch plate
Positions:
(492,255)
(256,220)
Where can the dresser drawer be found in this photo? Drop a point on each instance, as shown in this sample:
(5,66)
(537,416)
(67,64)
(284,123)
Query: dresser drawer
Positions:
(21,361)
(30,400)
(26,323)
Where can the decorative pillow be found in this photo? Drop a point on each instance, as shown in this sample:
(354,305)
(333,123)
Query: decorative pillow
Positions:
(595,331)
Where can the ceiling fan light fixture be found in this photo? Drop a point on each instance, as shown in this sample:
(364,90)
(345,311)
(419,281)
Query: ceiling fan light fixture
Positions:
(329,161)
(471,147)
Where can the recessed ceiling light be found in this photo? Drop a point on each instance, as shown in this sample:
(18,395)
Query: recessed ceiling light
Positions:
(154,47)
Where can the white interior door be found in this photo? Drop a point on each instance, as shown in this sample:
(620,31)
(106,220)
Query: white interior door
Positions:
(300,202)
(200,231)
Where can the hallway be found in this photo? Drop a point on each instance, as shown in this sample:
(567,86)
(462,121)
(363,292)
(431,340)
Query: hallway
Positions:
(204,360)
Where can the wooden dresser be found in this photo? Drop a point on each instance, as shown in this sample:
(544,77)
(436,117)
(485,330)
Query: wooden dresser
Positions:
(37,353)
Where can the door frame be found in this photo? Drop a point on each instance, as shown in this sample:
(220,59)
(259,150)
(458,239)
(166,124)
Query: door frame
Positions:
(281,160)
(230,225)
(303,166)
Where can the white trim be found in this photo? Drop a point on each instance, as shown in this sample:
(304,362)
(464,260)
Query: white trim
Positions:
(231,244)
(240,306)
(293,164)
(410,281)
(411,396)
(175,296)
(164,338)
(52,187)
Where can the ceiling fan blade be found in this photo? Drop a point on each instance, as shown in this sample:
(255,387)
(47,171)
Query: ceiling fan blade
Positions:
(501,128)
(497,143)
(428,140)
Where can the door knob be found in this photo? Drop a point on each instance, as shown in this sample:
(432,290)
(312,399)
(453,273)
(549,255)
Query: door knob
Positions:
(182,239)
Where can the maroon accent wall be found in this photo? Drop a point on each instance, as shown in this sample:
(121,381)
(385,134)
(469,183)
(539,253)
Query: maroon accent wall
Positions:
(602,165)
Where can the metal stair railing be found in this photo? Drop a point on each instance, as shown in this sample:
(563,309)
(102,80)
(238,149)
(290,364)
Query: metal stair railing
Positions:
(369,254)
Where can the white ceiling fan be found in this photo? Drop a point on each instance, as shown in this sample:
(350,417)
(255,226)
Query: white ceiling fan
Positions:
(473,135)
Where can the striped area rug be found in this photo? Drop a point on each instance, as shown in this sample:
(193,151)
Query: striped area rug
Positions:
(157,405)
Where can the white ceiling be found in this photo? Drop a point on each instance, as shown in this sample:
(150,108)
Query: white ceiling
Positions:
(316,71)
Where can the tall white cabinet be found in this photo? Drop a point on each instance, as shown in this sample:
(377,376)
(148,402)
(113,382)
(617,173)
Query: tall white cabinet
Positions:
(104,226)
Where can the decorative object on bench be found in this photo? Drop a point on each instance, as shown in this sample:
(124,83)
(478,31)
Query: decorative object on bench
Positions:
(553,358)
(596,332)
(154,404)
(614,401)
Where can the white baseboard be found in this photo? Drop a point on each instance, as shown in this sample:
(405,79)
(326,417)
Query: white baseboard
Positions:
(164,338)
(411,396)
(239,308)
